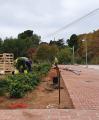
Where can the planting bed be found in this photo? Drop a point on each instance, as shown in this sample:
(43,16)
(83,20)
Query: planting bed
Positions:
(44,96)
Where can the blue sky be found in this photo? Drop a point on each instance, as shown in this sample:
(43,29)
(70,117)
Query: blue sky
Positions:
(46,16)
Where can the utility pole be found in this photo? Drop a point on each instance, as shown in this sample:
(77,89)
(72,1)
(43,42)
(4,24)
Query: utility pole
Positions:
(86,47)
(86,54)
(73,55)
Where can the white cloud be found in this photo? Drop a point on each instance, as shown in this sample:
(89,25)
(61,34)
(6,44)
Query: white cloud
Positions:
(46,16)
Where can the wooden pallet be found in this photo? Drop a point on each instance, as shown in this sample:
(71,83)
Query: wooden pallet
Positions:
(6,62)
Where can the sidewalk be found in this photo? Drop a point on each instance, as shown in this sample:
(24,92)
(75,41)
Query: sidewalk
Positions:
(53,114)
(83,88)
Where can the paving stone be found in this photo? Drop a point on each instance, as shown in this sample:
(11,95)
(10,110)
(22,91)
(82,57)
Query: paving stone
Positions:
(83,89)
(44,114)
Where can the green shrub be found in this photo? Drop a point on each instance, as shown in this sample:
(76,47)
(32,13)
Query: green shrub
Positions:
(42,68)
(65,56)
(3,87)
(20,84)
(16,91)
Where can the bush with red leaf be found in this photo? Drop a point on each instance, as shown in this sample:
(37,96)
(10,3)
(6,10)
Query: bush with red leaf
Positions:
(31,52)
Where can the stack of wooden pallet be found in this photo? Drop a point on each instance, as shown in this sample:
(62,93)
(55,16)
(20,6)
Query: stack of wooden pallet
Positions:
(6,63)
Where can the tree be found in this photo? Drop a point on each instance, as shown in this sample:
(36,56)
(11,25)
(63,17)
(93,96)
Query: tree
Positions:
(59,43)
(43,52)
(43,43)
(65,56)
(73,41)
(46,52)
(27,40)
(35,40)
(9,45)
(53,52)
(1,45)
(20,46)
(31,52)
(25,34)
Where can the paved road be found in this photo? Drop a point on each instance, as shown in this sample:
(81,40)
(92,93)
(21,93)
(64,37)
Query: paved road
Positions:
(91,66)
(83,88)
(94,66)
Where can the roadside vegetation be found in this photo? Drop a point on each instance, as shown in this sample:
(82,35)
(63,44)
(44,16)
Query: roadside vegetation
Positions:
(16,86)
(29,44)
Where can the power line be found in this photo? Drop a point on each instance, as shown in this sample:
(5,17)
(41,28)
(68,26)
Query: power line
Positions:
(75,21)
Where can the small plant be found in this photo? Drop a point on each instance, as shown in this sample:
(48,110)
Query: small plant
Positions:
(18,85)
(3,87)
(42,68)
(22,83)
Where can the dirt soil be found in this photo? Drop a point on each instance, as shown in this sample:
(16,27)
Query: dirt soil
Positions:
(44,96)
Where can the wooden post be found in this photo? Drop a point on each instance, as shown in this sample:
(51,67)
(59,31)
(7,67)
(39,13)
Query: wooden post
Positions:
(59,88)
(58,75)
